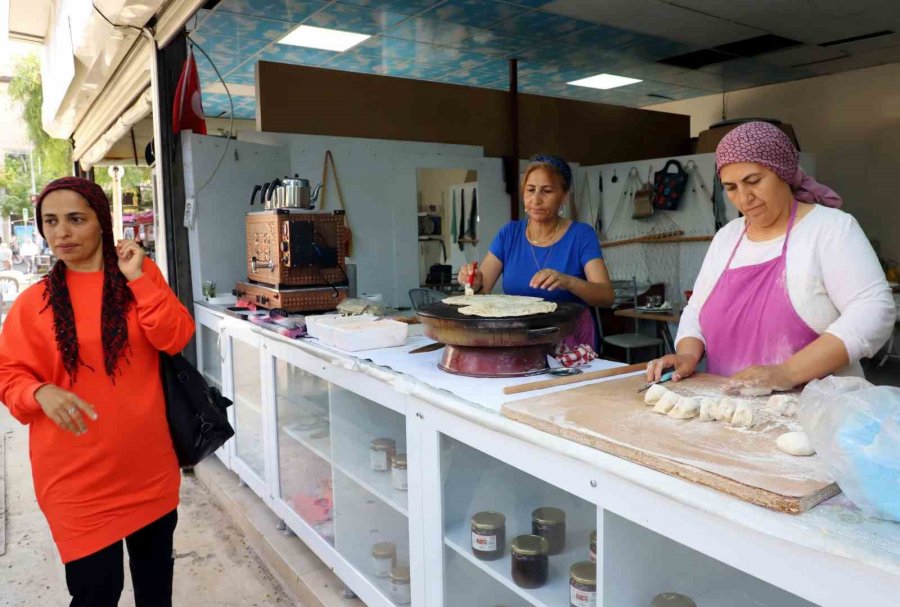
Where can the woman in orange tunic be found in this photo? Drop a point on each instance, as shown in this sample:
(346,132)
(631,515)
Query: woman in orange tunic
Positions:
(79,364)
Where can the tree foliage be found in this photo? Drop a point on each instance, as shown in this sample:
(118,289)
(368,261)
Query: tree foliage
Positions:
(52,157)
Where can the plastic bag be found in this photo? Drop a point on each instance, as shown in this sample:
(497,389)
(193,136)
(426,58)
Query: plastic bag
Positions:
(855,428)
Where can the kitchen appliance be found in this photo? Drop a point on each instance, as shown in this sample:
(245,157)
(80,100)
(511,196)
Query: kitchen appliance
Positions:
(288,193)
(288,249)
(497,347)
(291,299)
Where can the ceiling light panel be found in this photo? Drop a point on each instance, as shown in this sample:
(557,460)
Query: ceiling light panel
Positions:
(604,81)
(322,38)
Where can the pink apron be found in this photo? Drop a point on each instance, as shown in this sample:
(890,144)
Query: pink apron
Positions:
(749,318)
(584,331)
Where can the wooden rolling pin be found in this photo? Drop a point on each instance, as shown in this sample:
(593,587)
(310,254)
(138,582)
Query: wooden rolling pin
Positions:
(573,379)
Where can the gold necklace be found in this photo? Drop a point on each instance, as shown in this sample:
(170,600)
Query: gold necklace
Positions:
(548,239)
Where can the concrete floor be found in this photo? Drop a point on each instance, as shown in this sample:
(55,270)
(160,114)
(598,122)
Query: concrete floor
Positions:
(214,560)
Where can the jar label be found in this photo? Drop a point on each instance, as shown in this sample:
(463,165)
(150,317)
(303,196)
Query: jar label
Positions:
(582,598)
(400,593)
(484,543)
(379,460)
(398,479)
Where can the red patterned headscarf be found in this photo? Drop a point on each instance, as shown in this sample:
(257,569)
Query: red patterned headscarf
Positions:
(765,144)
(117,297)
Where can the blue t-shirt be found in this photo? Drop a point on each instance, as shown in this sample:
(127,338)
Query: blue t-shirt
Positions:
(522,260)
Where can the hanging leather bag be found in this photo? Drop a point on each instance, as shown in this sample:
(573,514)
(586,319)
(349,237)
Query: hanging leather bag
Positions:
(195,411)
(668,188)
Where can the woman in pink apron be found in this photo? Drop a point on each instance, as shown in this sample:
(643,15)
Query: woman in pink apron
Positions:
(545,255)
(745,321)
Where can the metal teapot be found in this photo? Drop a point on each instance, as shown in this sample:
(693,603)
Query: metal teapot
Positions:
(296,193)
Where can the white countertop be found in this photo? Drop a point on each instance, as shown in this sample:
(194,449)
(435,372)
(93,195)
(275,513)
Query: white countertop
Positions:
(835,527)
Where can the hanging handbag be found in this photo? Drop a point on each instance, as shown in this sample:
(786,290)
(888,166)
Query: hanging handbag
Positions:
(195,411)
(668,188)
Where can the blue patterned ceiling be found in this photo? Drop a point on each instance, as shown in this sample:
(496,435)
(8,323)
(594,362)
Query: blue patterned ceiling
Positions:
(464,42)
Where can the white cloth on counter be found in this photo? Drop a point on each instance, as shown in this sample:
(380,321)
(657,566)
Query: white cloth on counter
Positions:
(484,391)
(834,280)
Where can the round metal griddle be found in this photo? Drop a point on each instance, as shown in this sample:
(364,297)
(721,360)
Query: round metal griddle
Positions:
(497,347)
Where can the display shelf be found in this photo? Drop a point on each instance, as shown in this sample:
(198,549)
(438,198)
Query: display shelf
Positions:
(248,436)
(355,422)
(305,478)
(319,445)
(474,481)
(555,591)
(639,564)
(360,522)
(356,467)
(469,587)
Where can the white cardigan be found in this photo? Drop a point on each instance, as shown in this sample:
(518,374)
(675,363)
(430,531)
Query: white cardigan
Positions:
(833,279)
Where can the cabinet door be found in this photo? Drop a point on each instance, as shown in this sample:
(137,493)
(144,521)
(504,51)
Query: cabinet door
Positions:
(304,446)
(245,369)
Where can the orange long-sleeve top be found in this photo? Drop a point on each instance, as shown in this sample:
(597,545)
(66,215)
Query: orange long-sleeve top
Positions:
(122,474)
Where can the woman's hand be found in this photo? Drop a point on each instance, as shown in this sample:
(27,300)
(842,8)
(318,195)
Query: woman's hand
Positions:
(65,408)
(684,364)
(466,271)
(551,280)
(774,377)
(131,259)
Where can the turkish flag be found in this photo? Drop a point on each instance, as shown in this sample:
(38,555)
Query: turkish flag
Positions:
(187,112)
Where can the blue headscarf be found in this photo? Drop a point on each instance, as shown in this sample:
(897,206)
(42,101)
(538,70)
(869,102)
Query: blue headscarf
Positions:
(559,165)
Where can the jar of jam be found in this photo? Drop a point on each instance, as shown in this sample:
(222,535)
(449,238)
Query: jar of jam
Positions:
(530,561)
(398,472)
(583,584)
(400,589)
(488,535)
(381,450)
(550,524)
(672,599)
(384,557)
(593,546)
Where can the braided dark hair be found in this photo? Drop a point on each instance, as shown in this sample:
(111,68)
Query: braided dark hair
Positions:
(117,297)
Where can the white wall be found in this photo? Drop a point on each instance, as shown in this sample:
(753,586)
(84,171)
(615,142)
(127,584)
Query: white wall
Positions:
(378,179)
(850,121)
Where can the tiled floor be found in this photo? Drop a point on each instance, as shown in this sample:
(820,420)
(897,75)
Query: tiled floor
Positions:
(214,560)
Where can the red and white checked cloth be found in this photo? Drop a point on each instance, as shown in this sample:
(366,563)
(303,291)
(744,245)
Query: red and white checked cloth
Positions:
(569,357)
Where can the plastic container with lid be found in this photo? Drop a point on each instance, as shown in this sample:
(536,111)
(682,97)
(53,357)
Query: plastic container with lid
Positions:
(488,535)
(550,524)
(398,472)
(400,588)
(384,557)
(530,561)
(583,584)
(381,451)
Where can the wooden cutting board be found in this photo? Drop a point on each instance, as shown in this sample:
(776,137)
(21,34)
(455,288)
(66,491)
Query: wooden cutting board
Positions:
(743,462)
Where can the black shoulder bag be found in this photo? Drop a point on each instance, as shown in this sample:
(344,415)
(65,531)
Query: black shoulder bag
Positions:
(195,411)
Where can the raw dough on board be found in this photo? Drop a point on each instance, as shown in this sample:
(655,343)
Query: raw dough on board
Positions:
(666,403)
(686,408)
(795,443)
(654,393)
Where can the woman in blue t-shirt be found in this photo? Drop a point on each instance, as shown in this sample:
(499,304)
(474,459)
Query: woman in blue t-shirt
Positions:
(545,255)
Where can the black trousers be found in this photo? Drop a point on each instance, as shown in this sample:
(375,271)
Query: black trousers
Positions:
(97,579)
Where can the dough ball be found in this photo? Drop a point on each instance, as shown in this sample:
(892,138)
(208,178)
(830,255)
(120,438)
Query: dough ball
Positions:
(795,443)
(725,409)
(785,405)
(708,409)
(743,414)
(654,393)
(686,408)
(755,391)
(666,403)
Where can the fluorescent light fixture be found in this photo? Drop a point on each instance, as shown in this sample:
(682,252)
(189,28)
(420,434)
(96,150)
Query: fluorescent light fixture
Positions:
(321,38)
(604,81)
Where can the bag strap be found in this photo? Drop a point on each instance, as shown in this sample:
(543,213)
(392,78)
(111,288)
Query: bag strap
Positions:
(329,161)
(671,162)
